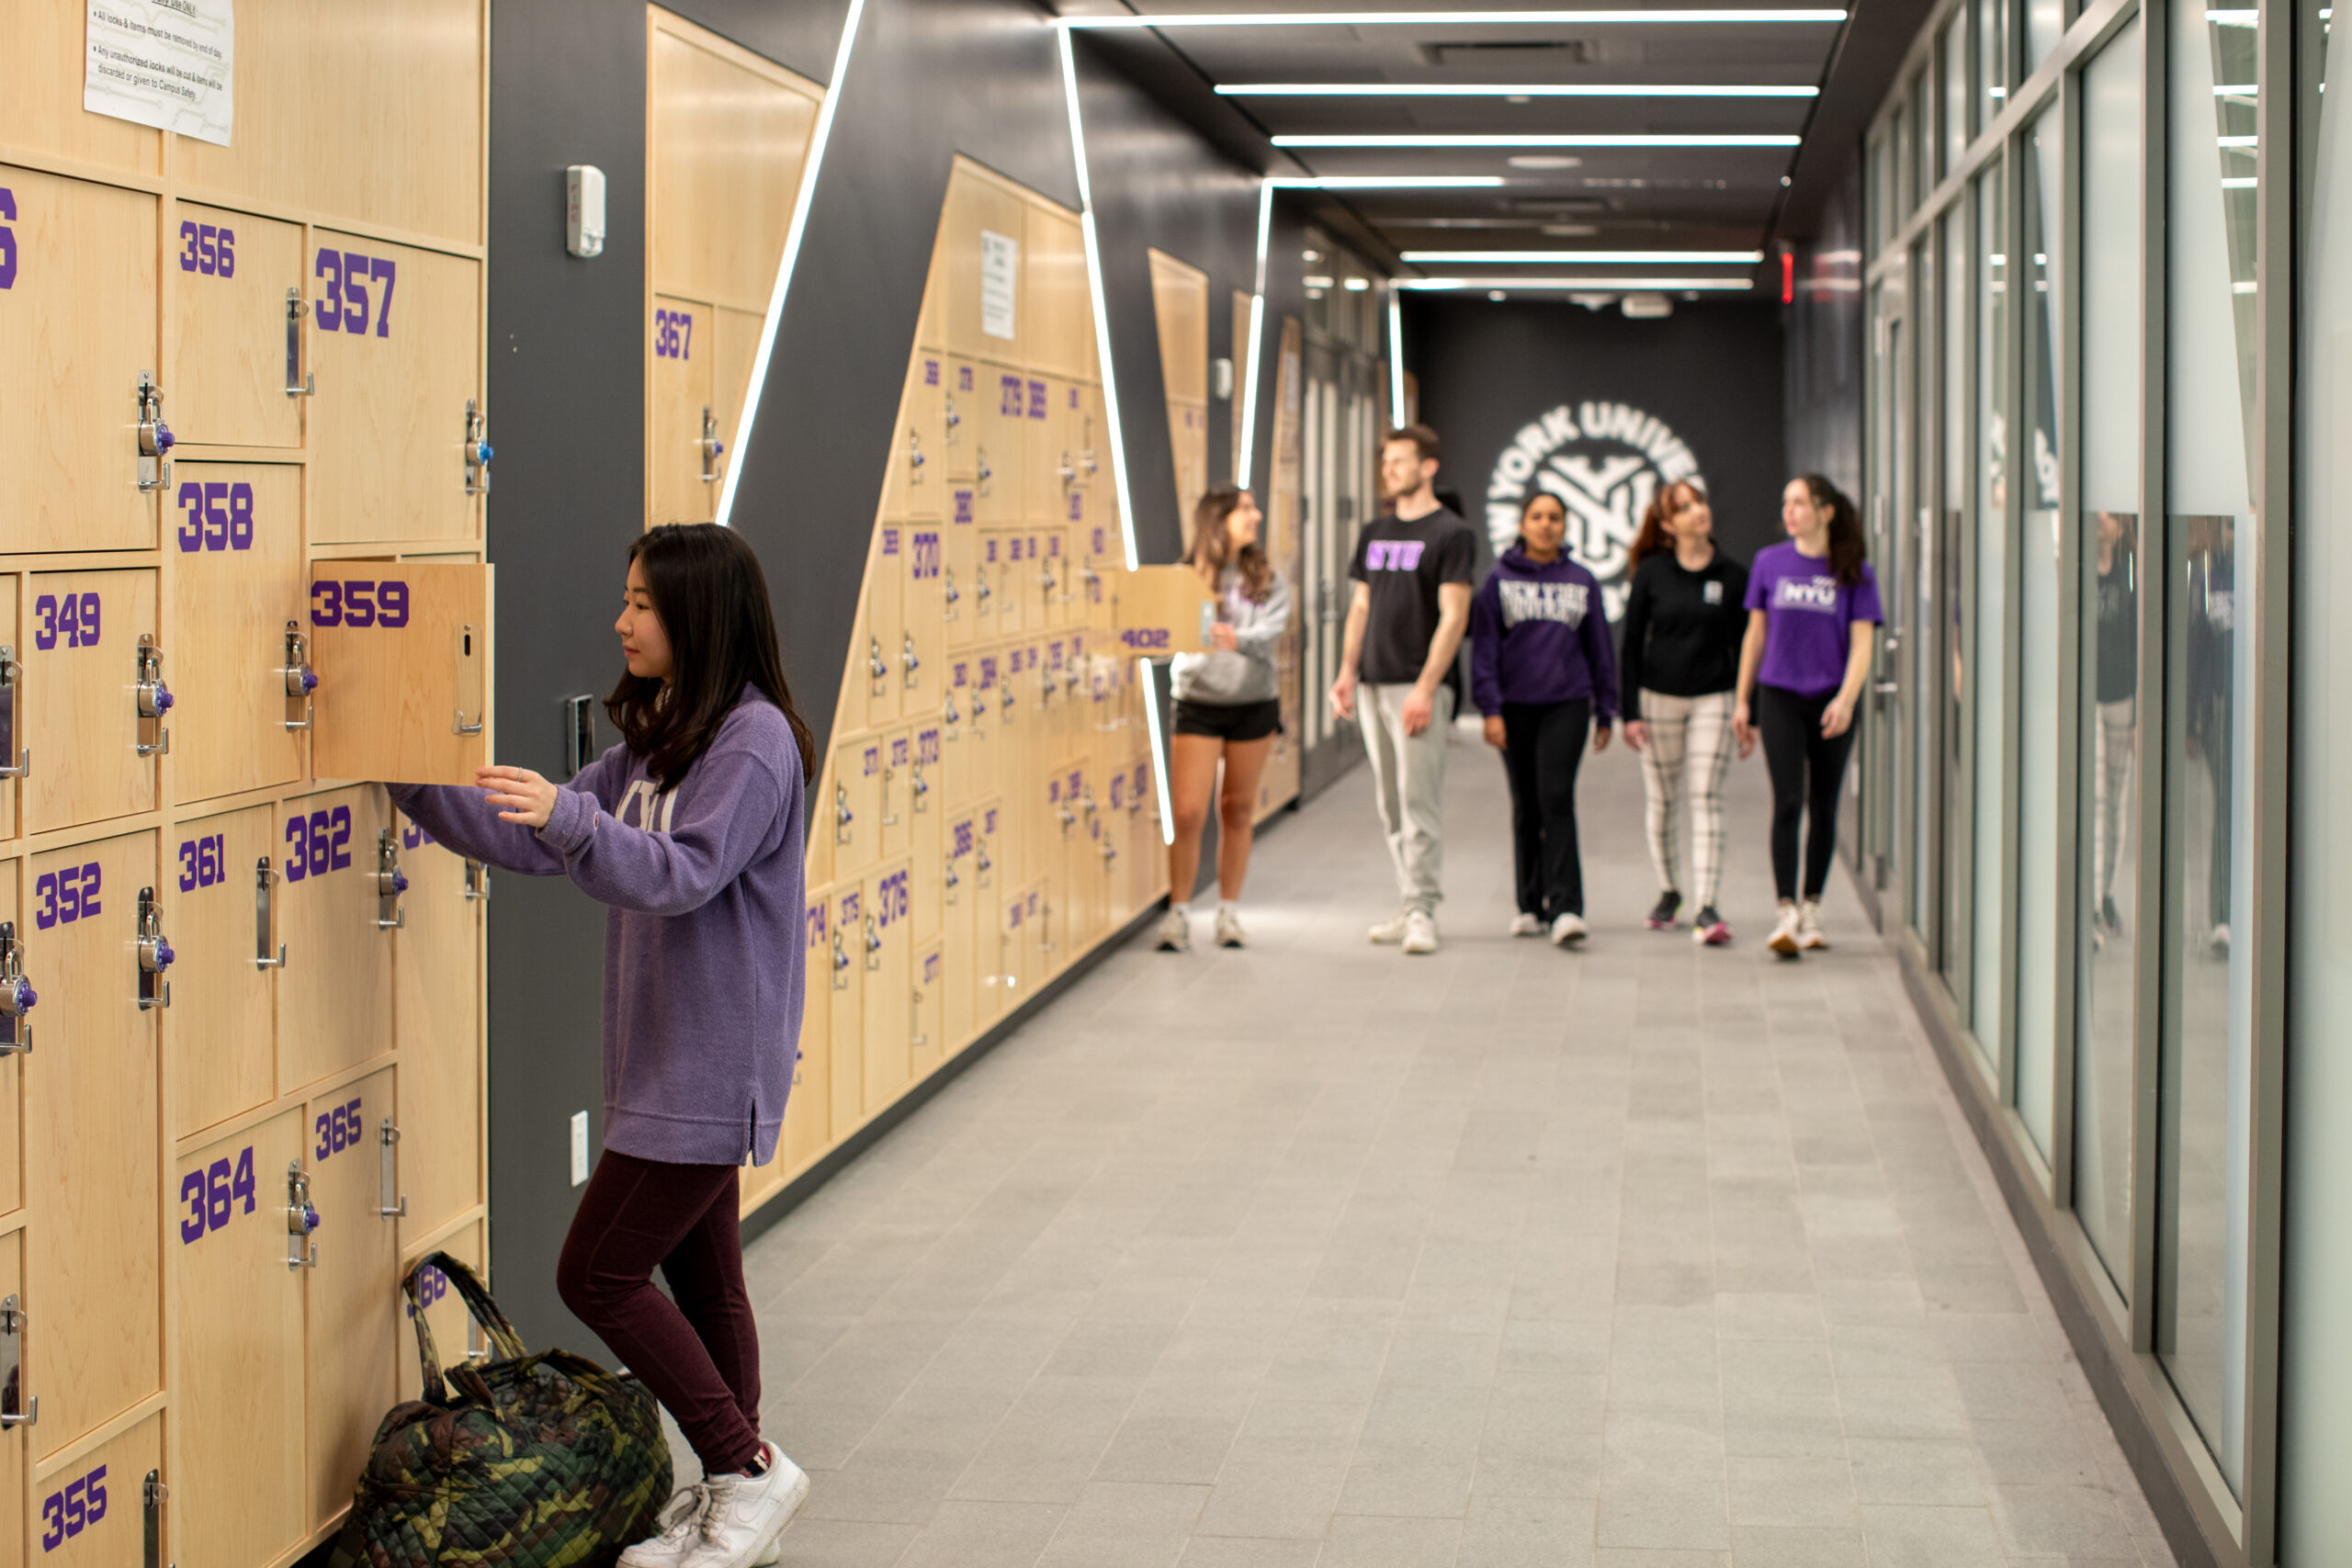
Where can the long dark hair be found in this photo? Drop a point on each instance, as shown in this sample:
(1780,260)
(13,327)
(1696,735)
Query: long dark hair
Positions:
(1846,543)
(1213,548)
(707,588)
(1652,535)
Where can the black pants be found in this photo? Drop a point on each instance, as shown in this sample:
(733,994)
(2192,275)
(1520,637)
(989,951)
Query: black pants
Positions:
(1543,744)
(1806,769)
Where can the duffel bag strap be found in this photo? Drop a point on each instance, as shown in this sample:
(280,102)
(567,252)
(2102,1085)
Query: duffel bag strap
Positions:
(502,1336)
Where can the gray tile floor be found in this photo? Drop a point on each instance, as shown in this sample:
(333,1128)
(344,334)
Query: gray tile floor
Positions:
(1642,1257)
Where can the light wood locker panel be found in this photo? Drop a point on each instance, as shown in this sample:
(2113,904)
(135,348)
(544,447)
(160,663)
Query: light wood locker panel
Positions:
(857,805)
(994,883)
(355,1316)
(1180,303)
(445,1313)
(230,372)
(15,1442)
(112,1535)
(824,815)
(1150,831)
(335,995)
(998,567)
(959,420)
(983,213)
(81,657)
(219,1030)
(1060,325)
(897,799)
(12,712)
(685,410)
(983,730)
(92,1116)
(918,480)
(373,114)
(928,1045)
(886,947)
(1100,558)
(922,649)
(237,590)
(77,330)
(394,340)
(736,335)
(1058,576)
(808,1114)
(997,458)
(41,62)
(845,1044)
(395,703)
(727,136)
(884,651)
(436,1025)
(926,809)
(931,327)
(1093,442)
(1017,963)
(237,1388)
(960,584)
(953,780)
(12,1067)
(960,933)
(1051,946)
(1188,435)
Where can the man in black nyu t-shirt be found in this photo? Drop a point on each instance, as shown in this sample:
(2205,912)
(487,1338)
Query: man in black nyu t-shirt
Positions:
(1411,604)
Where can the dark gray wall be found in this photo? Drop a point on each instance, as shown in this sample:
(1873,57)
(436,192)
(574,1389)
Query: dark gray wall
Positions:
(1824,331)
(929,79)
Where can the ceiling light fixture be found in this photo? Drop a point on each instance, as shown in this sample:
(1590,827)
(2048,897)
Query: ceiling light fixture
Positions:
(1587,258)
(1441,285)
(1385,182)
(1516,94)
(1544,161)
(1449,19)
(1543,140)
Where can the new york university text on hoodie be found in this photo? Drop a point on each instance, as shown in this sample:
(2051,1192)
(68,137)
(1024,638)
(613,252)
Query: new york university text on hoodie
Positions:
(1538,635)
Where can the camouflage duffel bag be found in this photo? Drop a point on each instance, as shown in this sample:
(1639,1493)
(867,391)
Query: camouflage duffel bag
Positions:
(529,1461)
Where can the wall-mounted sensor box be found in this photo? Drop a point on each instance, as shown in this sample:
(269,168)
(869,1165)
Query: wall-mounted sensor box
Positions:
(583,209)
(1221,378)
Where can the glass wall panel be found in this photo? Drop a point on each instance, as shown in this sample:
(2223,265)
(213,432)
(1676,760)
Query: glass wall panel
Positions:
(2210,441)
(2041,880)
(2045,21)
(1918,677)
(1953,555)
(2108,944)
(1993,55)
(1956,92)
(1989,624)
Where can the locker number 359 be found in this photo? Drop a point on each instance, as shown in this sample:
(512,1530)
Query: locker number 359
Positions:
(359,602)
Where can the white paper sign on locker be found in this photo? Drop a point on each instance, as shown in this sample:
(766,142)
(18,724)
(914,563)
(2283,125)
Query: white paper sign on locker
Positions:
(1000,283)
(168,63)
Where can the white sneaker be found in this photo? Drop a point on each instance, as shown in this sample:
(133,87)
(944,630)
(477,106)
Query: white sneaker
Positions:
(1526,925)
(2218,942)
(1809,933)
(671,1547)
(1420,932)
(1390,931)
(1229,927)
(1175,932)
(746,1516)
(1567,930)
(1783,940)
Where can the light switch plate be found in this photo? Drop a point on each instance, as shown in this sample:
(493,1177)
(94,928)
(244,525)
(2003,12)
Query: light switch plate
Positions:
(579,1147)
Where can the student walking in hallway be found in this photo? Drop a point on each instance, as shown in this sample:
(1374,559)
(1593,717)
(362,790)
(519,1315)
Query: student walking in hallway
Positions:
(1813,618)
(1684,618)
(1227,712)
(1405,620)
(1540,670)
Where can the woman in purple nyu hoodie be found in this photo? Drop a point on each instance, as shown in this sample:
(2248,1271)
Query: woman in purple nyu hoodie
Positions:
(1540,670)
(690,832)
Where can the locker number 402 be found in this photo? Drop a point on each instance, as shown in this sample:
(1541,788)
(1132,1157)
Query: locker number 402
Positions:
(69,1512)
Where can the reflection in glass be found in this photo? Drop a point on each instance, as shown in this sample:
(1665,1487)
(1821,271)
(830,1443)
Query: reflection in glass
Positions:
(1955,93)
(1918,676)
(2039,881)
(1993,55)
(1959,851)
(2044,21)
(2209,442)
(1989,621)
(2107,943)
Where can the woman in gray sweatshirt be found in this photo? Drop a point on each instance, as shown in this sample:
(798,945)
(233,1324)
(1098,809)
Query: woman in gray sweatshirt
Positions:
(1229,710)
(690,833)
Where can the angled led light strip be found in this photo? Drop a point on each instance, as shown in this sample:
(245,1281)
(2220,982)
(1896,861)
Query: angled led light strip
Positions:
(1599,285)
(1384,182)
(1543,140)
(1248,455)
(1590,259)
(1158,773)
(801,201)
(1396,360)
(1449,19)
(1498,90)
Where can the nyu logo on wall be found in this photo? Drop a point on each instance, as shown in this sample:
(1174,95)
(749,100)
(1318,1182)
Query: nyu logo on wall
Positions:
(1605,461)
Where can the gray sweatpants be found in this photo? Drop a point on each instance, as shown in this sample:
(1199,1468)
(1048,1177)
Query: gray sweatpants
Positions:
(1409,787)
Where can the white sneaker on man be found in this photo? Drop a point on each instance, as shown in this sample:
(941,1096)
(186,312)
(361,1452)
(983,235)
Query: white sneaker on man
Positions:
(1420,932)
(674,1544)
(747,1514)
(1809,933)
(1567,930)
(1784,939)
(1229,927)
(1390,931)
(1525,924)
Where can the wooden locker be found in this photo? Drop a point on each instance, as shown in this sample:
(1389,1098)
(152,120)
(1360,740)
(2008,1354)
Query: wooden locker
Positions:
(885,647)
(1054,701)
(857,805)
(928,1045)
(1022,966)
(923,643)
(394,341)
(445,1313)
(918,480)
(236,612)
(983,235)
(824,814)
(43,59)
(16,1441)
(90,1511)
(82,658)
(1047,468)
(728,134)
(959,422)
(1093,442)
(959,939)
(931,328)
(1119,827)
(808,1114)
(1050,948)
(219,1030)
(960,582)
(403,690)
(983,724)
(436,1025)
(927,811)
(998,598)
(898,801)
(1151,863)
(996,456)
(12,1069)
(1036,580)
(334,996)
(885,947)
(12,714)
(1062,841)
(737,336)
(238,368)
(682,466)
(92,1118)
(845,1044)
(955,775)
(1059,305)
(1056,585)
(237,1389)
(354,1312)
(993,883)
(77,333)
(1162,610)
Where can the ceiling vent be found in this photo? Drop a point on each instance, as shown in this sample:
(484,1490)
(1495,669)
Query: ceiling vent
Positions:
(1558,206)
(1534,53)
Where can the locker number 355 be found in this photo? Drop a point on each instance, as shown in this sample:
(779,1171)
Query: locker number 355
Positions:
(68,1513)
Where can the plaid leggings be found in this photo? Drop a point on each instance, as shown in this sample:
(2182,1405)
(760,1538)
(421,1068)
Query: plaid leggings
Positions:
(1691,745)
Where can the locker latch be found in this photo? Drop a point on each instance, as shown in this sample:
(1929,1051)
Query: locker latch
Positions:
(12,674)
(889,817)
(1006,704)
(843,815)
(16,1410)
(948,717)
(301,1219)
(154,954)
(710,446)
(1071,679)
(1067,472)
(301,679)
(477,881)
(478,450)
(915,1036)
(1068,818)
(953,595)
(151,1494)
(1094,582)
(1086,462)
(1110,849)
(154,699)
(981,461)
(914,457)
(919,789)
(878,670)
(1045,927)
(981,586)
(155,438)
(390,882)
(949,418)
(1086,802)
(953,882)
(1045,578)
(393,1203)
(909,661)
(16,994)
(873,944)
(981,864)
(472,696)
(297,384)
(266,918)
(840,964)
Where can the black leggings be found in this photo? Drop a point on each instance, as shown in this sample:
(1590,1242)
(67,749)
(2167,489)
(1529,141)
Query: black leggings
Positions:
(1543,744)
(1806,769)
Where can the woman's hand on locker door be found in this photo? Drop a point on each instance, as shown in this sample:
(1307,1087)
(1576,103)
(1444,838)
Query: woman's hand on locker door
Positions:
(520,795)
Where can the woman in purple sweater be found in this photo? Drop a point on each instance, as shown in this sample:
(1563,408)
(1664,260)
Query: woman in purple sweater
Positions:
(1541,669)
(690,831)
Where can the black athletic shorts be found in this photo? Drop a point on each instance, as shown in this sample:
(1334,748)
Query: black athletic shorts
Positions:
(1229,721)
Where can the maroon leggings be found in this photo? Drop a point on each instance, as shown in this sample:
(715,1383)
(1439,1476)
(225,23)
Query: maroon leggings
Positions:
(700,1353)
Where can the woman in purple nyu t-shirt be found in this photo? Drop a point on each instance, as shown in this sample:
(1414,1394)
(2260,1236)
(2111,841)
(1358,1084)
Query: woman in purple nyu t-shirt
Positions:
(690,831)
(1813,613)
